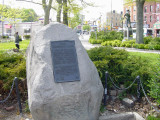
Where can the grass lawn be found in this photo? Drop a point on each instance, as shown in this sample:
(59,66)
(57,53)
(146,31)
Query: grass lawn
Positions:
(11,45)
(153,58)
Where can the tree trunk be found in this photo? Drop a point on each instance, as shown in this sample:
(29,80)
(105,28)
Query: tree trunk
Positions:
(46,9)
(65,12)
(59,11)
(139,32)
(46,15)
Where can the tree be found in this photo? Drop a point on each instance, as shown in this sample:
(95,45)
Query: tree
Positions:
(139,32)
(65,12)
(139,26)
(28,15)
(74,9)
(69,7)
(12,15)
(46,7)
(59,10)
(86,27)
(74,21)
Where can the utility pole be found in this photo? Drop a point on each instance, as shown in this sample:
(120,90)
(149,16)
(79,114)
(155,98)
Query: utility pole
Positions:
(111,15)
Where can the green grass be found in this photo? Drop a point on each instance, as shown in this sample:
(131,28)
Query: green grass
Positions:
(152,118)
(151,57)
(11,45)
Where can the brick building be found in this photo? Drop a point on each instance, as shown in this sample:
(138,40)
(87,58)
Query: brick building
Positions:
(151,13)
(116,19)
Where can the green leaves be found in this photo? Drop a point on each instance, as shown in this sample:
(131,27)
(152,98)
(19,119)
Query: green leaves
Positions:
(122,67)
(13,15)
(28,15)
(11,65)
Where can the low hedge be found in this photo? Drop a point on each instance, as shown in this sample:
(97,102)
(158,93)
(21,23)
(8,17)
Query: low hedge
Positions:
(107,35)
(131,44)
(121,66)
(27,36)
(11,65)
(93,41)
(5,37)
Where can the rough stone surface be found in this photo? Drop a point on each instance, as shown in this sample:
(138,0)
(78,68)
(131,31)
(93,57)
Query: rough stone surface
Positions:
(128,102)
(113,92)
(79,100)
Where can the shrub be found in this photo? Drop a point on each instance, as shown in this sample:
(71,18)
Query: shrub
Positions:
(118,44)
(135,45)
(128,45)
(152,118)
(146,46)
(11,65)
(114,44)
(151,47)
(27,36)
(5,37)
(155,41)
(154,83)
(122,45)
(104,43)
(147,39)
(93,41)
(157,47)
(107,35)
(122,67)
(130,41)
(141,46)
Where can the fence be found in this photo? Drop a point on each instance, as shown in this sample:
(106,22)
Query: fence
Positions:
(15,82)
(139,87)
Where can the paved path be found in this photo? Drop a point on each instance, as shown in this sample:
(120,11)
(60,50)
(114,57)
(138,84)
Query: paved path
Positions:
(84,40)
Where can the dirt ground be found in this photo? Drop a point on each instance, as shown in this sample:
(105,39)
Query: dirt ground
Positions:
(114,106)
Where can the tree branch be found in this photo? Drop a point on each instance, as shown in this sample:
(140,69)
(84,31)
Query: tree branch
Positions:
(37,3)
(30,1)
(86,3)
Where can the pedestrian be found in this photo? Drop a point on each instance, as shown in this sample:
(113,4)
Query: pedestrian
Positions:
(17,40)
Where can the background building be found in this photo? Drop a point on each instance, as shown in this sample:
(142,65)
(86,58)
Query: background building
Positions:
(151,13)
(114,18)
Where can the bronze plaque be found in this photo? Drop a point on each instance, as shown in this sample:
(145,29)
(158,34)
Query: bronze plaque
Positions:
(64,60)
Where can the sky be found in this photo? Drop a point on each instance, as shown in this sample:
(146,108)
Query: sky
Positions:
(91,13)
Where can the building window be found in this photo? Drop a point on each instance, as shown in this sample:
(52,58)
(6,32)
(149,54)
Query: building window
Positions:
(157,6)
(151,18)
(145,9)
(145,18)
(134,8)
(151,8)
(157,18)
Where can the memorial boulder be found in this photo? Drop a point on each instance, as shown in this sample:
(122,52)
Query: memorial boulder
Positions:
(63,83)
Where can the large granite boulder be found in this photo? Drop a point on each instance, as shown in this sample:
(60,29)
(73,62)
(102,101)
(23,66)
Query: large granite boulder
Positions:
(49,100)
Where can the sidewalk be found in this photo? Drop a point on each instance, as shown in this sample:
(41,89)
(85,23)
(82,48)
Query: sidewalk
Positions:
(138,50)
